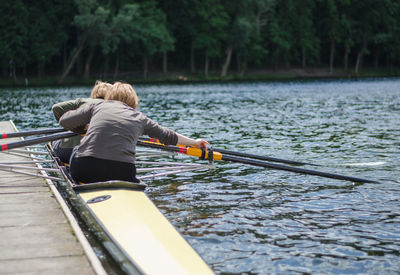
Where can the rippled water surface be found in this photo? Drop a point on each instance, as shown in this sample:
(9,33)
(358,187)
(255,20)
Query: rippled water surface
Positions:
(244,219)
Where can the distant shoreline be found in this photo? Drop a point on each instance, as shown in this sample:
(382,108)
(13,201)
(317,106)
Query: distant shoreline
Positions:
(177,77)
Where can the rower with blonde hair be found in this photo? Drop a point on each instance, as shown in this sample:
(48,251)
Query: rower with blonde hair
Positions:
(100,89)
(123,92)
(107,152)
(63,148)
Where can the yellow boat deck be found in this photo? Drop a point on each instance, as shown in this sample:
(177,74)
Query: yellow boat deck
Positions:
(145,235)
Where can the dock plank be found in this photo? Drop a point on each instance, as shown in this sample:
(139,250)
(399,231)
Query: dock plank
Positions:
(36,237)
(30,235)
(44,266)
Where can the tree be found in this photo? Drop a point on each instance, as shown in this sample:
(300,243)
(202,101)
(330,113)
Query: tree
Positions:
(239,30)
(92,24)
(392,46)
(245,42)
(122,29)
(13,32)
(294,40)
(41,27)
(257,46)
(280,34)
(348,41)
(211,30)
(40,36)
(335,25)
(384,34)
(183,20)
(304,32)
(366,32)
(148,34)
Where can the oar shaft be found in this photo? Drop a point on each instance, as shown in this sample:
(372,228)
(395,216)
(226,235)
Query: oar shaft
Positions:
(34,141)
(294,169)
(218,156)
(32,132)
(246,155)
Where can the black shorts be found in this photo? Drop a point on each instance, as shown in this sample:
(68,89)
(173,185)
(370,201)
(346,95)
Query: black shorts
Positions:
(64,154)
(90,169)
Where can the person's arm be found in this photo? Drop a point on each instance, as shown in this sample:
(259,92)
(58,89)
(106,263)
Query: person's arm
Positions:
(167,136)
(183,140)
(62,107)
(76,120)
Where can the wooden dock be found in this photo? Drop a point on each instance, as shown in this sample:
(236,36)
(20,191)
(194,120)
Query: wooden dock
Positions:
(38,233)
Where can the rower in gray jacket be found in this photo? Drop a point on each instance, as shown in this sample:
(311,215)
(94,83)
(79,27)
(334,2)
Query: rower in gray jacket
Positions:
(107,152)
(63,148)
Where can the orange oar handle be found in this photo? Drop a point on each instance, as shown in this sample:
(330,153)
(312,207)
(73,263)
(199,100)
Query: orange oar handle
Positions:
(203,153)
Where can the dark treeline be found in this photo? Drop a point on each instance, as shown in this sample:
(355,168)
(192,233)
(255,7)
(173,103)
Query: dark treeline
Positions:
(113,38)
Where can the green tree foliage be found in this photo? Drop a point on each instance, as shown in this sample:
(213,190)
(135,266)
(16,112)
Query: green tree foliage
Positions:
(13,31)
(122,30)
(211,28)
(143,30)
(41,37)
(40,23)
(393,37)
(251,45)
(152,33)
(183,18)
(295,39)
(335,25)
(240,30)
(92,23)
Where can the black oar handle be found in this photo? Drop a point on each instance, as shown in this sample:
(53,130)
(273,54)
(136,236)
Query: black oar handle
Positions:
(295,169)
(32,132)
(33,141)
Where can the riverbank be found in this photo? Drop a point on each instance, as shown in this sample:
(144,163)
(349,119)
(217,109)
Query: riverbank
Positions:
(187,77)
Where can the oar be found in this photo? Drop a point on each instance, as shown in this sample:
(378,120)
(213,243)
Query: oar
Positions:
(32,132)
(34,141)
(247,155)
(215,155)
(227,152)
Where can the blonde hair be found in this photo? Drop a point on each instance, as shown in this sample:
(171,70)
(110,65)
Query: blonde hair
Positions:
(123,92)
(100,89)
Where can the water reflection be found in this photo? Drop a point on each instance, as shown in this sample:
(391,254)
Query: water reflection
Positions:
(245,219)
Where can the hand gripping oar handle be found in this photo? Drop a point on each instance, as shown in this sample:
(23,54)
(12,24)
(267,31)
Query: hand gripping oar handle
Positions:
(33,141)
(190,151)
(32,132)
(218,156)
(246,155)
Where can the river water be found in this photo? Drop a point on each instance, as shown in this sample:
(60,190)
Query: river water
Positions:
(244,219)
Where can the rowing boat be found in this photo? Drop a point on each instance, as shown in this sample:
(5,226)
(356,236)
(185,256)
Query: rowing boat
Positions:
(130,228)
